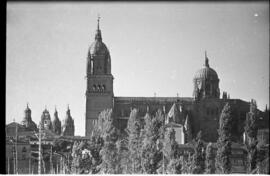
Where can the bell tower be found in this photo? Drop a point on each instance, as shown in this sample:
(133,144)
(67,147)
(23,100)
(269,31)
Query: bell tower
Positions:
(99,91)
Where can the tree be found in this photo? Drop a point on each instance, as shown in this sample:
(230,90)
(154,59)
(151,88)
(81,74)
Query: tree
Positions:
(110,159)
(151,152)
(187,164)
(223,164)
(94,146)
(262,159)
(251,130)
(160,116)
(76,157)
(210,159)
(134,128)
(80,163)
(122,156)
(171,154)
(199,156)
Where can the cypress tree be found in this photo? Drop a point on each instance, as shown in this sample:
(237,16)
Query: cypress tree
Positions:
(223,164)
(199,156)
(134,129)
(151,152)
(109,152)
(251,130)
(209,159)
(171,154)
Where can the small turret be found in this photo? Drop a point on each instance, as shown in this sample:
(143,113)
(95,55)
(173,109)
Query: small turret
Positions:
(27,120)
(45,122)
(56,124)
(68,125)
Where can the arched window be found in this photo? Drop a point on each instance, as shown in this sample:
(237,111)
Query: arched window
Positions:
(99,88)
(103,87)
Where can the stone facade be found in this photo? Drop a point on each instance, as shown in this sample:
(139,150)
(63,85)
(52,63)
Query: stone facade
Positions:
(203,108)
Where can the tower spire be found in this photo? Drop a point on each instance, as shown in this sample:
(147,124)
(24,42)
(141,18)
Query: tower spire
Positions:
(98,32)
(98,22)
(206,59)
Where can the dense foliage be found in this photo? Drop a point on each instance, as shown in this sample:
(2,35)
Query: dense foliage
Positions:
(134,129)
(171,153)
(223,164)
(251,130)
(109,152)
(209,159)
(148,146)
(199,156)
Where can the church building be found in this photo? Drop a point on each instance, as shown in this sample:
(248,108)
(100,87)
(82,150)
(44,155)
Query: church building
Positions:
(203,108)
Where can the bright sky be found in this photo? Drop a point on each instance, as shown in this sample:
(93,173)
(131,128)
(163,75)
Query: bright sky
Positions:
(154,47)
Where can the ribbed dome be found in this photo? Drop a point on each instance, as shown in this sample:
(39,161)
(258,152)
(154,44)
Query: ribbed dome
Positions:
(98,48)
(206,73)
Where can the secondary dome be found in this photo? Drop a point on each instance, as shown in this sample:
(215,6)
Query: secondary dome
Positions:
(206,72)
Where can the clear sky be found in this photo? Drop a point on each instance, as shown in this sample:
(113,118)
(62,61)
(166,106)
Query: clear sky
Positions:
(154,47)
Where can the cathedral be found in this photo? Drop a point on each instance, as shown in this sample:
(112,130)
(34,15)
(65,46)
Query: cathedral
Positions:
(203,108)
